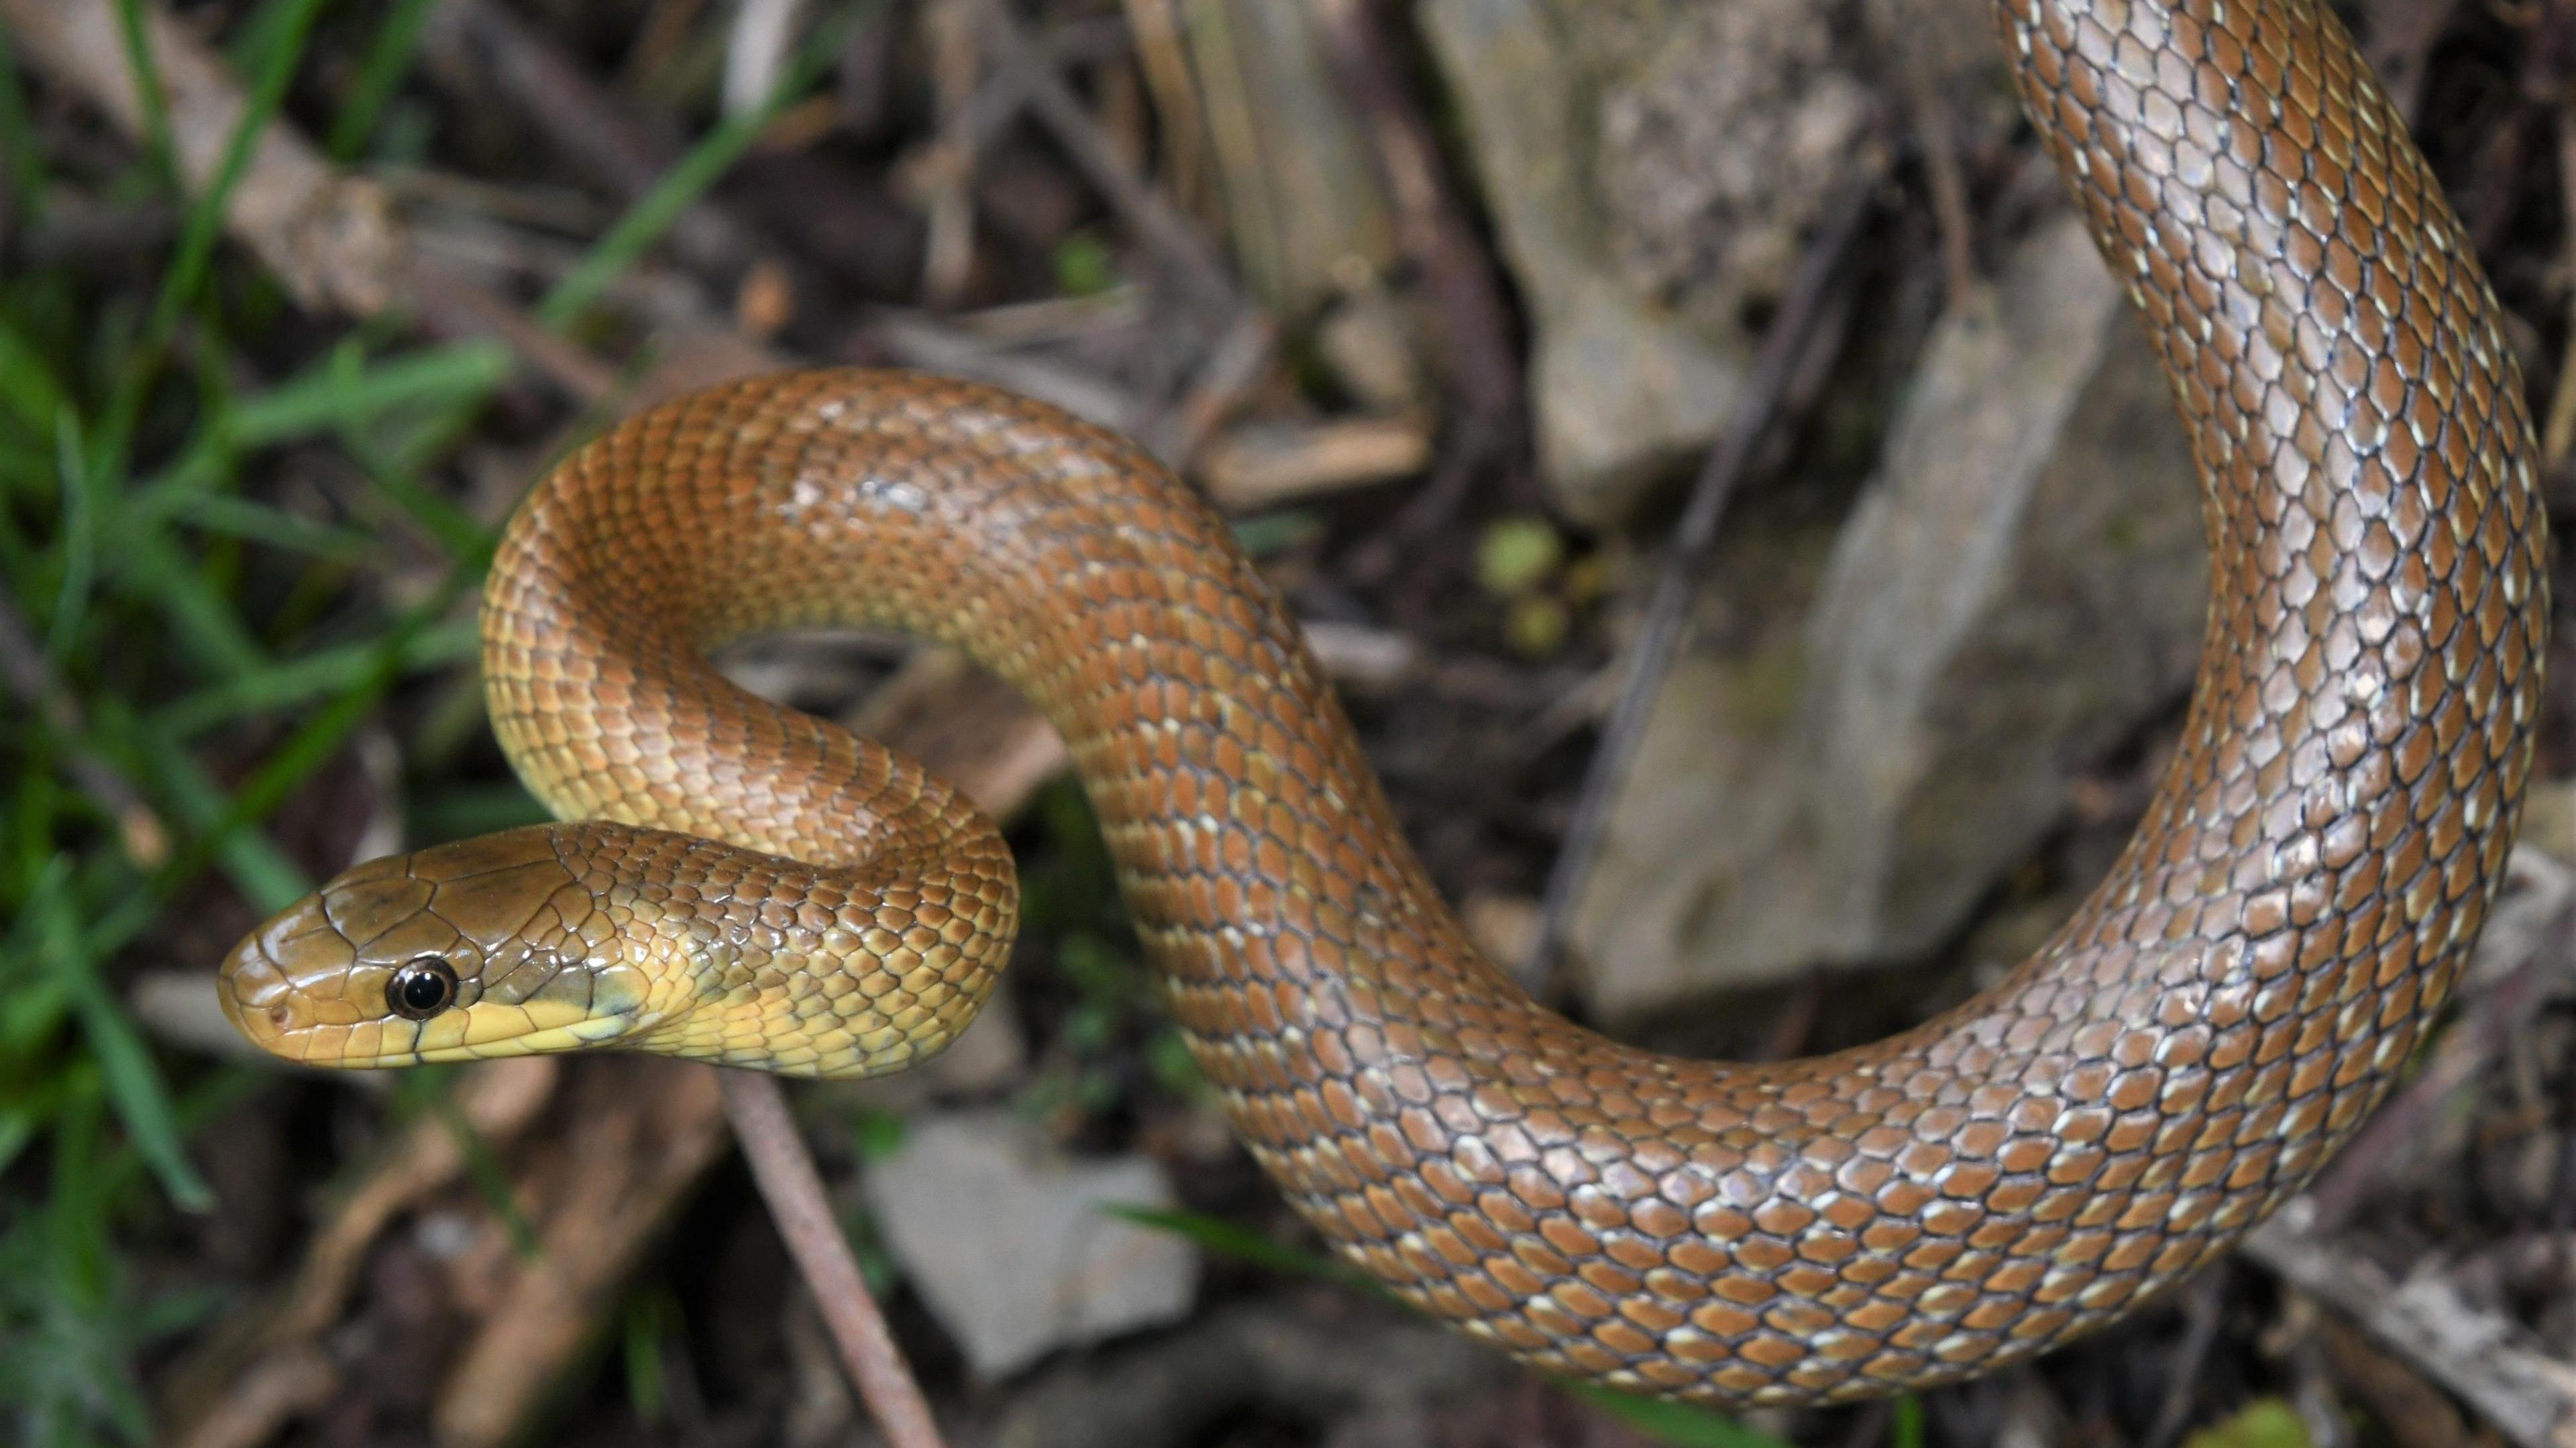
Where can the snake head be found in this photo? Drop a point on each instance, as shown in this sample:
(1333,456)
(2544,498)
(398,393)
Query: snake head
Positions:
(487,947)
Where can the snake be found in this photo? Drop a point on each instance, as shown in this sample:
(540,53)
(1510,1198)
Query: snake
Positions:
(737,882)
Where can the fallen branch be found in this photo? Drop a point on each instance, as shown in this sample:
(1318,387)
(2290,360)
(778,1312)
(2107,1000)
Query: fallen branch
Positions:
(637,1134)
(1458,275)
(265,1363)
(2491,1362)
(1155,220)
(330,237)
(794,1192)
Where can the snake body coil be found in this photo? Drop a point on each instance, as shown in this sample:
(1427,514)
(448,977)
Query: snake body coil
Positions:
(2167,1069)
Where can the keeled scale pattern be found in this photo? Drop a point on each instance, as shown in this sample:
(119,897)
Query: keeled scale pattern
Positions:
(2175,1061)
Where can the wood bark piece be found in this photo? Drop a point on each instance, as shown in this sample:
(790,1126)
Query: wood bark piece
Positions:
(640,1133)
(330,237)
(264,1363)
(2490,1361)
(1271,464)
(1305,208)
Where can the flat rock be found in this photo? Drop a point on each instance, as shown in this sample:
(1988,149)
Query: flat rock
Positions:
(1653,168)
(2020,588)
(1007,1240)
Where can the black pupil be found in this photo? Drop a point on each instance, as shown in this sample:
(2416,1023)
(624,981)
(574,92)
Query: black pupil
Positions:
(422,987)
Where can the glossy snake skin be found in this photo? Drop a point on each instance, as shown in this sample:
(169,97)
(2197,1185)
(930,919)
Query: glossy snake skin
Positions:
(2169,1067)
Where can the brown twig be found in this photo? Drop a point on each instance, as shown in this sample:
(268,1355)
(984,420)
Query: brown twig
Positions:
(1457,272)
(452,305)
(253,1370)
(1162,57)
(648,1130)
(2202,1310)
(947,168)
(1936,142)
(937,175)
(2558,432)
(794,1191)
(1784,345)
(915,339)
(2462,1053)
(1269,465)
(1229,372)
(2410,1409)
(842,223)
(2489,1361)
(562,102)
(328,236)
(1155,220)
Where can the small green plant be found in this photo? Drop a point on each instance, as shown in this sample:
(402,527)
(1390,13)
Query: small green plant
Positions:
(162,603)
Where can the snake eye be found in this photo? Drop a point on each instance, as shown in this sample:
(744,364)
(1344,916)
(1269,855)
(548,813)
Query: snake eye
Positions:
(421,989)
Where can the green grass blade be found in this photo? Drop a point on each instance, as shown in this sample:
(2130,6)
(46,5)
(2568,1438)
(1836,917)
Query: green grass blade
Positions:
(257,522)
(388,60)
(269,25)
(465,541)
(146,75)
(27,383)
(460,812)
(294,683)
(490,1178)
(79,540)
(205,218)
(133,1082)
(1905,1429)
(1225,1239)
(202,225)
(346,391)
(202,620)
(224,833)
(18,149)
(715,153)
(292,763)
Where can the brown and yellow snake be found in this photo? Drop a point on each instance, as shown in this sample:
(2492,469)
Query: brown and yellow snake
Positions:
(758,888)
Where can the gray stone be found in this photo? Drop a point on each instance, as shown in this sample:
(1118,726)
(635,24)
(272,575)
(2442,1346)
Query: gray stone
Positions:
(1653,168)
(1007,1241)
(2020,588)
